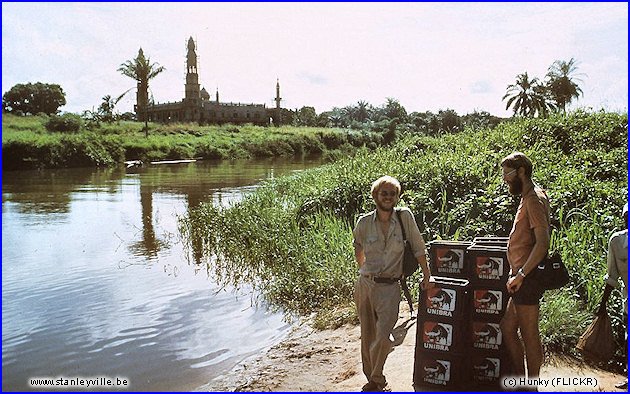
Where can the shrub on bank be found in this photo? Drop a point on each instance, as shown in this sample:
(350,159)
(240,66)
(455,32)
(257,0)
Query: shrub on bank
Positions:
(66,123)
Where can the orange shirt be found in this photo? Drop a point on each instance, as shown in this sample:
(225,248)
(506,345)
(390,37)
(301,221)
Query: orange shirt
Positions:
(533,211)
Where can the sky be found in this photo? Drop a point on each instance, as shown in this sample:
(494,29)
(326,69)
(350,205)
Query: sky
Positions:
(428,56)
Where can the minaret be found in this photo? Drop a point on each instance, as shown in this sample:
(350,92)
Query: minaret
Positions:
(192,78)
(217,95)
(278,93)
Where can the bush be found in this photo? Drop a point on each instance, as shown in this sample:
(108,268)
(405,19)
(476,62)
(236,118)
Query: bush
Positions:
(66,123)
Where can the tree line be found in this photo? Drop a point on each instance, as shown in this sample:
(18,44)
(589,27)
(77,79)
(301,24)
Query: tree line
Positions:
(388,117)
(528,96)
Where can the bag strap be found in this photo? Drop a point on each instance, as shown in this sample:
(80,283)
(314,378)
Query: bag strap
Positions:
(402,226)
(407,293)
(403,280)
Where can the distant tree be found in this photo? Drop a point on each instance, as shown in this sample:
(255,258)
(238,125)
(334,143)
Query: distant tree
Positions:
(363,111)
(338,117)
(33,98)
(480,120)
(349,114)
(561,83)
(106,109)
(323,119)
(393,109)
(307,116)
(142,70)
(527,96)
(450,122)
(288,116)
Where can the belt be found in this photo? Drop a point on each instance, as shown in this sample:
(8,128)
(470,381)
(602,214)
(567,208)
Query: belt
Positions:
(380,279)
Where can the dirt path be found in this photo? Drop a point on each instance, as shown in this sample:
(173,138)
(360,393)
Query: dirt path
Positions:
(329,360)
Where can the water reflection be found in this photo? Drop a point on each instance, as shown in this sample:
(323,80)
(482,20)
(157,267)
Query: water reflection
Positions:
(95,282)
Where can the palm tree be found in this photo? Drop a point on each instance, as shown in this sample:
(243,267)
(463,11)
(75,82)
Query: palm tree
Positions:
(363,111)
(142,70)
(561,83)
(527,95)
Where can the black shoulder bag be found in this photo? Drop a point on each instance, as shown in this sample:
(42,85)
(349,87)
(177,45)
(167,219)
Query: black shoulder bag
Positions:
(410,263)
(551,273)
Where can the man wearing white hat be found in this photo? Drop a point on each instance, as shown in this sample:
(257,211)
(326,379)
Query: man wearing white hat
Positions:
(618,268)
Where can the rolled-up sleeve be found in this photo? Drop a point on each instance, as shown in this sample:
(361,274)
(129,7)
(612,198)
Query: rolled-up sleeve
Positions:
(413,234)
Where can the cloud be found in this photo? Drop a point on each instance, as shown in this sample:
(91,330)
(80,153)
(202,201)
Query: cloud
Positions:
(480,86)
(314,79)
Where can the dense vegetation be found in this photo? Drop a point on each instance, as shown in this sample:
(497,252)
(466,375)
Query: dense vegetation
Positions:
(292,237)
(67,141)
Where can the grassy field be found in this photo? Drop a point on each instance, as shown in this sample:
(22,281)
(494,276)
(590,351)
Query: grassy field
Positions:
(292,238)
(27,144)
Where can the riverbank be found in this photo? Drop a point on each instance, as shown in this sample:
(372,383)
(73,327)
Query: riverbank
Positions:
(330,360)
(296,232)
(27,144)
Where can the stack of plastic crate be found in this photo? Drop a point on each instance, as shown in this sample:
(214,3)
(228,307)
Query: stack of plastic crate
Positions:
(489,269)
(442,333)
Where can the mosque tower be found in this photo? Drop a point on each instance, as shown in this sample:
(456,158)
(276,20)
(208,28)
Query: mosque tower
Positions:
(192,78)
(278,94)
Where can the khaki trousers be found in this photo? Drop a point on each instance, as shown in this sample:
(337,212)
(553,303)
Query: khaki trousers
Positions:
(377,307)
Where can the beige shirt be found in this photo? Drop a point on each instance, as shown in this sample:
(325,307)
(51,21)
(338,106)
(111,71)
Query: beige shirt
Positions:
(533,211)
(384,253)
(618,263)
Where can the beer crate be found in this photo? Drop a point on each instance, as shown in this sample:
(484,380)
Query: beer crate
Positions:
(448,258)
(488,368)
(488,303)
(442,335)
(488,265)
(441,371)
(486,336)
(449,298)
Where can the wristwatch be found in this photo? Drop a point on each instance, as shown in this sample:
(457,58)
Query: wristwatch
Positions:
(521,273)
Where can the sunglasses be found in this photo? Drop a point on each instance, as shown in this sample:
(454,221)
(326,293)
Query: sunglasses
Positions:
(506,174)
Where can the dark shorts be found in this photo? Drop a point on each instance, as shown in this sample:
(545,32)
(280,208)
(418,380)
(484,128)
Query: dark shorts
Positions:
(529,293)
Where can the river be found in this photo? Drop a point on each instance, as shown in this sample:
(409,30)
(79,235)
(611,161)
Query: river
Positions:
(97,283)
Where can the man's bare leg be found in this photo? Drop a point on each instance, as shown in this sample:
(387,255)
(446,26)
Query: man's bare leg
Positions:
(528,322)
(509,330)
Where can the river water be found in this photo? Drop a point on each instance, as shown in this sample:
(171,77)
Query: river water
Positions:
(97,283)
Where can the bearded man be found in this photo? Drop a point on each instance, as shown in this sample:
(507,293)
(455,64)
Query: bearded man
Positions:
(379,249)
(527,246)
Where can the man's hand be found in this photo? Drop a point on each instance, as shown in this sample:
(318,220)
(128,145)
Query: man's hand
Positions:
(514,284)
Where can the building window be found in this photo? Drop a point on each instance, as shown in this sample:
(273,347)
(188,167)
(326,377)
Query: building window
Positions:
(256,115)
(235,115)
(248,115)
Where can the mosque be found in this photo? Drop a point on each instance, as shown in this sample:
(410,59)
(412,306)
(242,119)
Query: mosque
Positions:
(197,106)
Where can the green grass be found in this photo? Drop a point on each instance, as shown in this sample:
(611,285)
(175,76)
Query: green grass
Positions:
(292,237)
(27,144)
